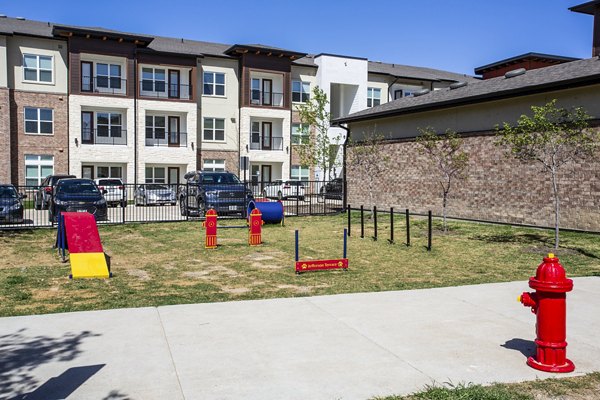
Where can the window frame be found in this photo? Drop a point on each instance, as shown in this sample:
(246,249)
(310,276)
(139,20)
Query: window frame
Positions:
(210,164)
(38,121)
(153,178)
(154,126)
(300,177)
(302,93)
(108,77)
(303,136)
(109,125)
(39,163)
(154,80)
(38,69)
(370,96)
(213,130)
(214,84)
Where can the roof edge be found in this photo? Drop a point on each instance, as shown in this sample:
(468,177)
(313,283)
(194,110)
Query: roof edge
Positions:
(480,70)
(586,8)
(58,29)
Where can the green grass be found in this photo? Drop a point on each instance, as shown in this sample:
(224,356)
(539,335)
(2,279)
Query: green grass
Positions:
(581,387)
(159,264)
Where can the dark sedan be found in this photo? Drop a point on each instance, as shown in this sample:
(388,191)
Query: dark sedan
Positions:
(11,205)
(77,195)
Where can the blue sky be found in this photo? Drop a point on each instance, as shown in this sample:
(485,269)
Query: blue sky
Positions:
(456,35)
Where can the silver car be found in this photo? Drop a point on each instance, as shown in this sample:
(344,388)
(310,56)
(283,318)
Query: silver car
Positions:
(115,191)
(154,194)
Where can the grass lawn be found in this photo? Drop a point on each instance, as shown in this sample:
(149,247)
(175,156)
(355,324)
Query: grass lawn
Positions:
(574,388)
(158,264)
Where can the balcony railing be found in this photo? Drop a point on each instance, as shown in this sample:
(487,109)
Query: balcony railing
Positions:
(162,90)
(263,98)
(104,84)
(274,143)
(111,136)
(172,139)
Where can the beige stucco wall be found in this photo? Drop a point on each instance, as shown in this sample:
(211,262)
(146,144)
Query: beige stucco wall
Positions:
(57,49)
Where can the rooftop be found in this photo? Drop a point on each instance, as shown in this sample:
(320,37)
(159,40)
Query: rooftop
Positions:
(570,74)
(527,56)
(586,8)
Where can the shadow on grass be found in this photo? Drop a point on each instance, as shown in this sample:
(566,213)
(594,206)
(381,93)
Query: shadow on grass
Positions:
(22,354)
(526,347)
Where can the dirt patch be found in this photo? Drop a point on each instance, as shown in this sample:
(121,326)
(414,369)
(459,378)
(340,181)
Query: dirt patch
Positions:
(267,266)
(258,257)
(235,290)
(139,273)
(217,270)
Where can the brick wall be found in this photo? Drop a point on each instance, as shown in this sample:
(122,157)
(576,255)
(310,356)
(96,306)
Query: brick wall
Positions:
(55,145)
(5,148)
(497,188)
(231,159)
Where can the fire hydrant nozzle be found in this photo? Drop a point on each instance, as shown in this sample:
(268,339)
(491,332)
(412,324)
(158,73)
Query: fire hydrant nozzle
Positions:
(548,303)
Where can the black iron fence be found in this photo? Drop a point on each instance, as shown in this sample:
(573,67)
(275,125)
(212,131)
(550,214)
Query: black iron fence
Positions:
(37,206)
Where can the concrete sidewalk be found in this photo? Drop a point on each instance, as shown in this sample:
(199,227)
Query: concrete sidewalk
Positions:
(351,346)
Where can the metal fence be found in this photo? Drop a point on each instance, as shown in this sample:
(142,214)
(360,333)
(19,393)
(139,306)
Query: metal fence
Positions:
(158,202)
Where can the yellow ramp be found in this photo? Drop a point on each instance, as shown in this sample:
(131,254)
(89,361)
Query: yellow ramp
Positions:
(88,265)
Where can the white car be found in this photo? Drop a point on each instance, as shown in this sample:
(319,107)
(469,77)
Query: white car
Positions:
(284,190)
(115,191)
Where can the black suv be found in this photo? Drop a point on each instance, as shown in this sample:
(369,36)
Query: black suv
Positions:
(42,195)
(77,195)
(221,191)
(333,189)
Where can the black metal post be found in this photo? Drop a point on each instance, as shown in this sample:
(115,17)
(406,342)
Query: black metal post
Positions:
(407,228)
(391,240)
(375,223)
(429,231)
(362,221)
(348,210)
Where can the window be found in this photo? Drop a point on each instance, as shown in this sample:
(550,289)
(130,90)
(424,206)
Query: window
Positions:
(373,97)
(109,172)
(255,94)
(155,175)
(300,173)
(38,120)
(214,84)
(108,124)
(214,129)
(299,134)
(37,68)
(154,80)
(214,165)
(398,94)
(37,167)
(300,91)
(155,127)
(108,76)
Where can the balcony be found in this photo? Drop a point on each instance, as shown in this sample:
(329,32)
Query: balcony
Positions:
(173,139)
(266,98)
(267,143)
(103,84)
(110,136)
(162,90)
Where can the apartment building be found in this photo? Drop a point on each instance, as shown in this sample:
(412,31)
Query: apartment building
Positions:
(33,103)
(147,109)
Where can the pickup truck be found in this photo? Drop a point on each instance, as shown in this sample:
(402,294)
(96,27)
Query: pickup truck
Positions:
(221,191)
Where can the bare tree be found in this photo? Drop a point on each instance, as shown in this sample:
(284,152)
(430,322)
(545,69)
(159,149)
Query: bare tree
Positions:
(446,152)
(368,161)
(552,137)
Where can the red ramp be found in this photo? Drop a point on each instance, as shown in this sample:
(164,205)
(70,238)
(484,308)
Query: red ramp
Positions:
(85,248)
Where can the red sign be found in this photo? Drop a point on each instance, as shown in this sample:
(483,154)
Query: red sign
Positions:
(318,265)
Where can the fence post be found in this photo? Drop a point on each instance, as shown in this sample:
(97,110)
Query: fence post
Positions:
(429,231)
(391,240)
(362,221)
(297,200)
(124,202)
(407,227)
(348,211)
(310,198)
(187,201)
(375,223)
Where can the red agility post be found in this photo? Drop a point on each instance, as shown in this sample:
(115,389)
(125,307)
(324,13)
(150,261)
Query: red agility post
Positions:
(211,229)
(255,228)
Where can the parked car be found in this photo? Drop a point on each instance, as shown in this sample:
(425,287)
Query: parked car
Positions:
(77,195)
(41,197)
(221,191)
(11,205)
(333,189)
(154,194)
(115,191)
(284,190)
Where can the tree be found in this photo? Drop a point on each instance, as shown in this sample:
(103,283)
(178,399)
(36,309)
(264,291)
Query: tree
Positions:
(552,137)
(368,161)
(319,150)
(446,152)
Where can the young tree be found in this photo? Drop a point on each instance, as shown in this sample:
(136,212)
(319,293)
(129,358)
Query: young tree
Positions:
(368,161)
(446,152)
(319,150)
(552,137)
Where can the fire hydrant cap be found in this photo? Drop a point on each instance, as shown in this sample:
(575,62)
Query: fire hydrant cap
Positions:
(551,276)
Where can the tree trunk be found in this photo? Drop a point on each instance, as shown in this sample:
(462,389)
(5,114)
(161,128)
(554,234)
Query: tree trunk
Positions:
(556,208)
(444,202)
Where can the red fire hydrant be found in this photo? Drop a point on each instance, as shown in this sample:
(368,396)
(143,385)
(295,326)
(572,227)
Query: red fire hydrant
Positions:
(255,229)
(549,304)
(211,229)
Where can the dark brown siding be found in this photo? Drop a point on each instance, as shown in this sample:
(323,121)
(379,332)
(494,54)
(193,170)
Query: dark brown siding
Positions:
(265,63)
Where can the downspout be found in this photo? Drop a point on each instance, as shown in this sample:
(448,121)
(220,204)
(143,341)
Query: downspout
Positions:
(239,121)
(135,100)
(68,109)
(199,120)
(345,202)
